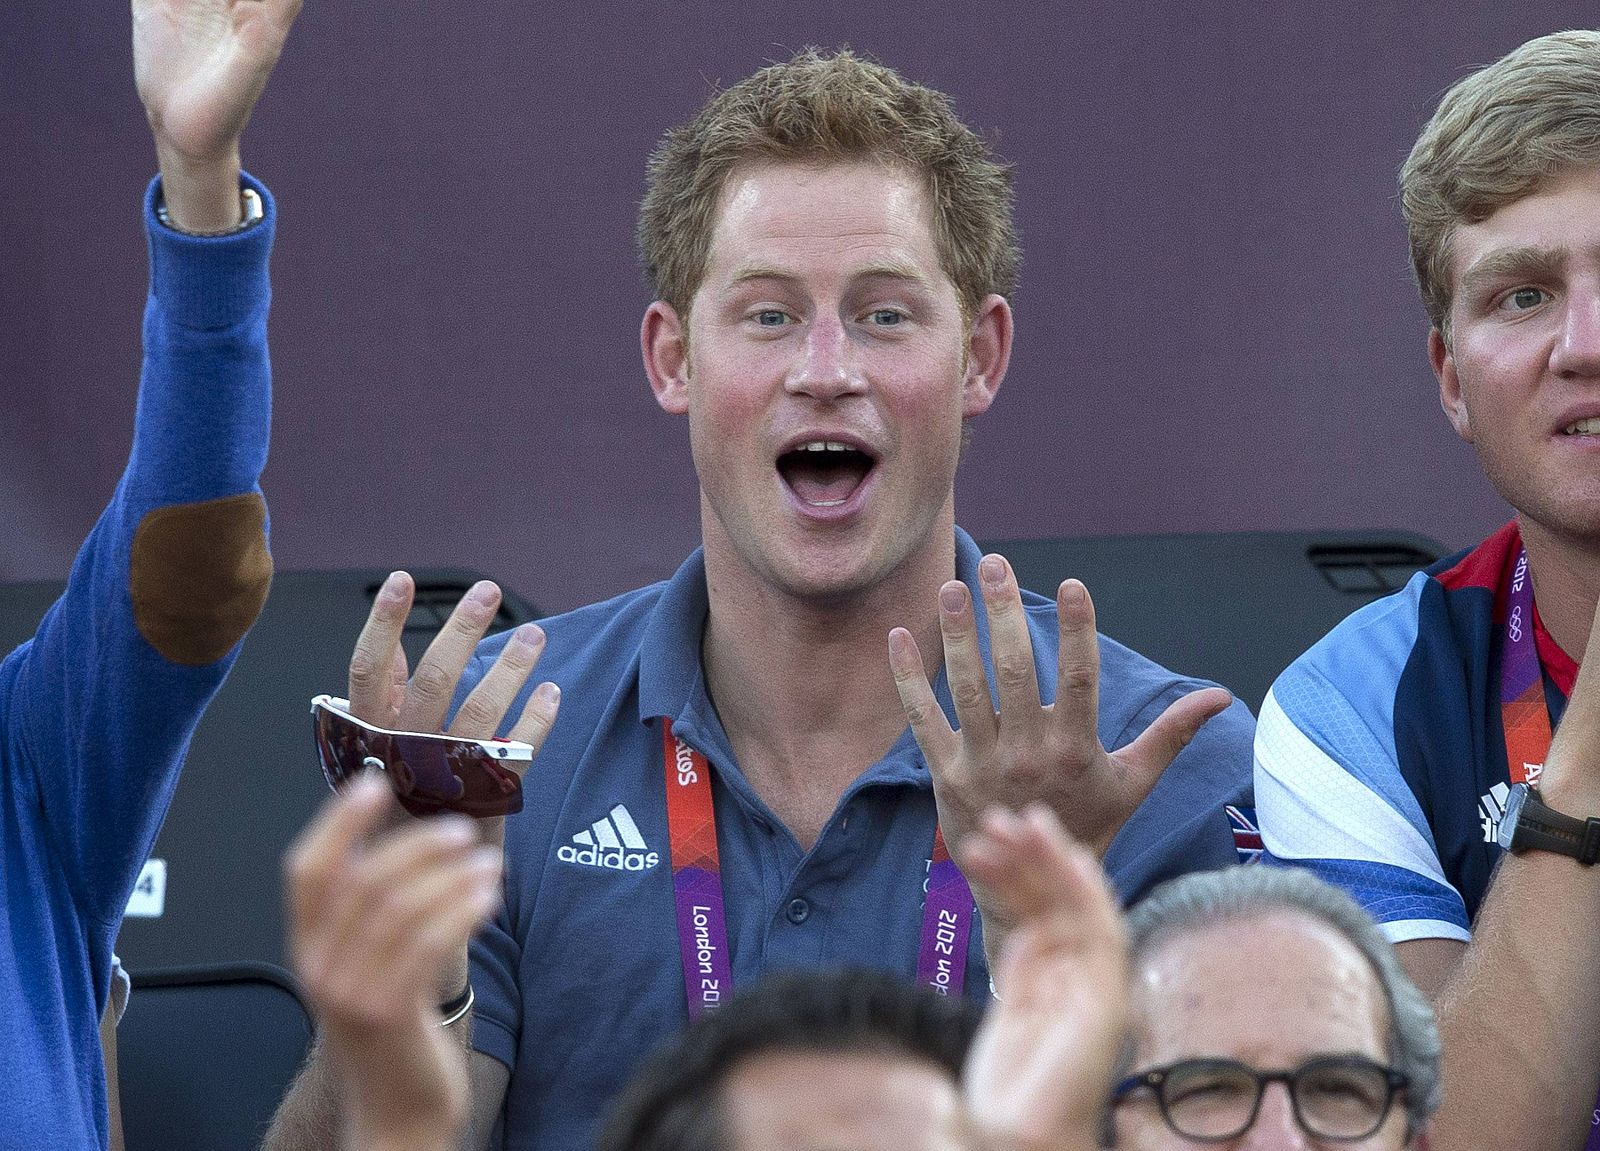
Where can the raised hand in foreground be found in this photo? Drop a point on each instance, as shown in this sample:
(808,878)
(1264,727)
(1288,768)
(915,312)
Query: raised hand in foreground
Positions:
(376,905)
(1039,1073)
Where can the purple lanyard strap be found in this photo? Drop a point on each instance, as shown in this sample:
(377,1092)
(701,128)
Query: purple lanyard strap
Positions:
(1523,712)
(947,913)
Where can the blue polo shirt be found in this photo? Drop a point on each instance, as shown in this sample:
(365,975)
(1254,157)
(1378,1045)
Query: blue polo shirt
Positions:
(579,977)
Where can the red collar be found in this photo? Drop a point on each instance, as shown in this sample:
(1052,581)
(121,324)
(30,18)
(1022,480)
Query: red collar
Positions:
(1558,665)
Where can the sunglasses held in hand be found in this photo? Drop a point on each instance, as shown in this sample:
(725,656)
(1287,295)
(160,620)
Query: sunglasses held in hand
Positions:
(429,773)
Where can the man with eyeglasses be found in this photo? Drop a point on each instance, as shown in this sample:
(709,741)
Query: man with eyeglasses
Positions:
(1268,1011)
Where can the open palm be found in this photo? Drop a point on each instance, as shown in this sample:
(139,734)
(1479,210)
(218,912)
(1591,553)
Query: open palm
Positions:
(200,66)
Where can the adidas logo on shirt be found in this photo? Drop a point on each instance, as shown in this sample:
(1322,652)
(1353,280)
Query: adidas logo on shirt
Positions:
(1491,809)
(613,842)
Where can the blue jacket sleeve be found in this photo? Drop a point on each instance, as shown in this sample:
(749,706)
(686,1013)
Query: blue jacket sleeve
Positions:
(96,711)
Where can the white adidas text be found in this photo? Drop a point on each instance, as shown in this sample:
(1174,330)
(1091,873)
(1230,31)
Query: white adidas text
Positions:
(612,842)
(615,859)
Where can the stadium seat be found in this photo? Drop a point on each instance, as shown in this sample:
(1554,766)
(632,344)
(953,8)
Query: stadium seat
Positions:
(1234,607)
(204,1054)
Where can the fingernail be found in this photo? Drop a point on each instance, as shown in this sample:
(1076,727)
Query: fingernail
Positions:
(993,570)
(898,641)
(548,693)
(483,592)
(953,597)
(1073,591)
(391,586)
(529,635)
(486,878)
(486,892)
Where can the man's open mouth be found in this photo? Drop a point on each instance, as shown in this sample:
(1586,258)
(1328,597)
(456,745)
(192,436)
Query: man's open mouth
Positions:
(824,473)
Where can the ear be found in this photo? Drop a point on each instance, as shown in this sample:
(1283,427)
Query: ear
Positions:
(664,343)
(988,353)
(1450,397)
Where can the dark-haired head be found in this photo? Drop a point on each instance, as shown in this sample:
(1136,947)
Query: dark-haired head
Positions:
(845,1027)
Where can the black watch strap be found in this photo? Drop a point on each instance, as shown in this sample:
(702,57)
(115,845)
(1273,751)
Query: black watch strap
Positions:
(1542,828)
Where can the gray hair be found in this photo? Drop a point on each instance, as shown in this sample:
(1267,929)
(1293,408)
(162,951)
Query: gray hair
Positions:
(1205,898)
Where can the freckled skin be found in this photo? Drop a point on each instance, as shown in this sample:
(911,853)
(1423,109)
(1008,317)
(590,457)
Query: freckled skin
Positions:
(841,1102)
(824,305)
(1271,991)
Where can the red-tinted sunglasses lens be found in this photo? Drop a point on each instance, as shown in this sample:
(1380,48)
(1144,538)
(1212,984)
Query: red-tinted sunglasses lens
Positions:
(344,748)
(429,774)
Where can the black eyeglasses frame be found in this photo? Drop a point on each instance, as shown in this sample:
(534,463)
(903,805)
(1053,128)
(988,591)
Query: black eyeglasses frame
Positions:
(1155,1079)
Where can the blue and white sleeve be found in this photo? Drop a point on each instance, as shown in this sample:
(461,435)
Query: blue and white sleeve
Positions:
(1330,794)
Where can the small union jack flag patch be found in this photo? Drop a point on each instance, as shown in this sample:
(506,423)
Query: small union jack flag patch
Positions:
(1246,835)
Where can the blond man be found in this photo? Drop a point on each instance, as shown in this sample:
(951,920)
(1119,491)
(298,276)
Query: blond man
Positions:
(1409,755)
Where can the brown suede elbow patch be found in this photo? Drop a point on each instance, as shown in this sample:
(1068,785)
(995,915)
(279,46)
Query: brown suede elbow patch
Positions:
(199,574)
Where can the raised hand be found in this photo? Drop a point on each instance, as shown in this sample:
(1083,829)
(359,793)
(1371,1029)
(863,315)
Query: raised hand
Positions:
(1031,751)
(200,66)
(383,693)
(375,907)
(1040,1070)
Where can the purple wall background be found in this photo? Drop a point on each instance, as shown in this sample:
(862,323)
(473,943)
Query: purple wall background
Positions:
(1216,329)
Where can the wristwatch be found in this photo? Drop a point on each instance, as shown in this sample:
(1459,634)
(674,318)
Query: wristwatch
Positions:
(1529,825)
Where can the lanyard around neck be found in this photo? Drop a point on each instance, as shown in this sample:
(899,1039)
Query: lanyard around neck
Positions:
(1523,711)
(947,912)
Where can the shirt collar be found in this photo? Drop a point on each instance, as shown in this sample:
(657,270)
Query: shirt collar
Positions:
(1561,667)
(672,678)
(669,655)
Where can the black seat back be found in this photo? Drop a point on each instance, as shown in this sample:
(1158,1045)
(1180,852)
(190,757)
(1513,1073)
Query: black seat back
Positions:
(1234,607)
(204,1055)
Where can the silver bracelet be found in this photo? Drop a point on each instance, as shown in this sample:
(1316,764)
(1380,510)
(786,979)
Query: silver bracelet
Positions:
(457,1007)
(250,207)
